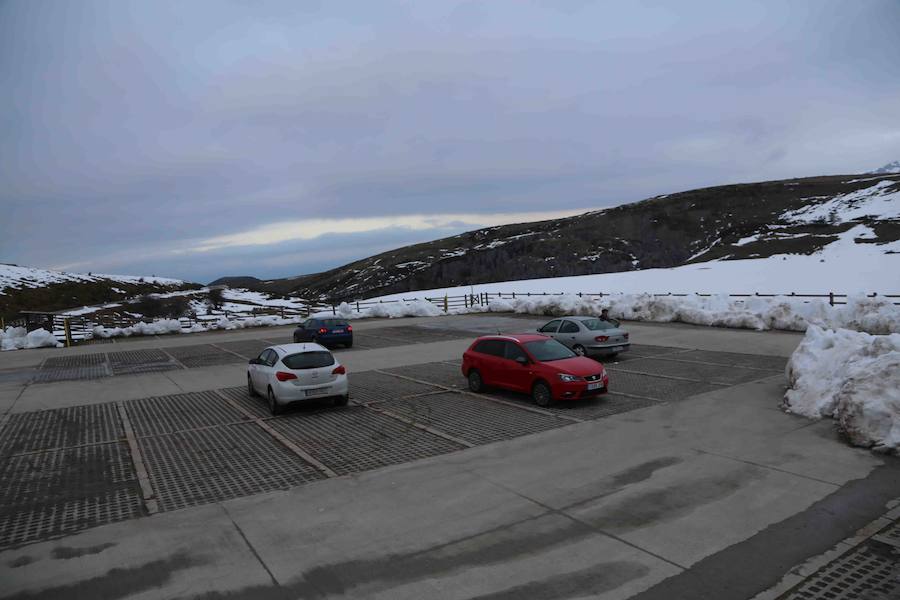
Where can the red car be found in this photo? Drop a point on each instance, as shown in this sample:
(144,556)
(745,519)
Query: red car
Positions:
(535,364)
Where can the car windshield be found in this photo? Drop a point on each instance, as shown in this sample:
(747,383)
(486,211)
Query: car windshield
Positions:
(308,360)
(599,324)
(548,350)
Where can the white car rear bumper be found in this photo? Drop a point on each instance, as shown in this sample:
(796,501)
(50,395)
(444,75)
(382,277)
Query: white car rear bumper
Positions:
(287,391)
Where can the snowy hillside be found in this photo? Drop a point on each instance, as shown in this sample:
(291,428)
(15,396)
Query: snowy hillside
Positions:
(13,276)
(891,167)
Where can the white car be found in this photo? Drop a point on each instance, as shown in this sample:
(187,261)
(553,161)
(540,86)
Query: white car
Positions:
(291,372)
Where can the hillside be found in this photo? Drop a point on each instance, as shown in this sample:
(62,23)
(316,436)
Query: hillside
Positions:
(27,288)
(754,220)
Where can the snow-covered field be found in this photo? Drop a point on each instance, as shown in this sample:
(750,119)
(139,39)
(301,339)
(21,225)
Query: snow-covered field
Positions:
(12,276)
(851,377)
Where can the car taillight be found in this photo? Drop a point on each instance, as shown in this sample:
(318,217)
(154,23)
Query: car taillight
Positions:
(625,336)
(284,376)
(323,330)
(339,370)
(601,338)
(349,327)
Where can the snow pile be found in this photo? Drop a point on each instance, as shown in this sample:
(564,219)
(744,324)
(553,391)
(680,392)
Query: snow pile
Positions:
(242,323)
(891,167)
(17,338)
(852,377)
(388,310)
(160,327)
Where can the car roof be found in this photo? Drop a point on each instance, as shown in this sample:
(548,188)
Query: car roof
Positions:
(285,349)
(515,337)
(577,317)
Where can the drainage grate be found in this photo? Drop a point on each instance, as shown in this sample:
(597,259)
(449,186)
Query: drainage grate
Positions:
(356,439)
(475,420)
(59,492)
(167,414)
(370,386)
(140,361)
(707,373)
(60,428)
(49,375)
(438,373)
(246,348)
(373,340)
(890,535)
(209,465)
(256,405)
(656,388)
(650,350)
(870,572)
(202,355)
(753,361)
(74,361)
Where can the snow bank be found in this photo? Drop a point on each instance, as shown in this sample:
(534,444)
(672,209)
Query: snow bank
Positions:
(852,377)
(163,326)
(389,310)
(17,338)
(262,321)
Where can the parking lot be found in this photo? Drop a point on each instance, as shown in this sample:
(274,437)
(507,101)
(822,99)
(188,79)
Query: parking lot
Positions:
(87,464)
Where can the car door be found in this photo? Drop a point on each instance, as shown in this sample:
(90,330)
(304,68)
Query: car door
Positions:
(254,370)
(266,370)
(488,360)
(568,333)
(515,376)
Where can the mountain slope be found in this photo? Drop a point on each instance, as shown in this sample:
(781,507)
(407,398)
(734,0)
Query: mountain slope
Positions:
(755,220)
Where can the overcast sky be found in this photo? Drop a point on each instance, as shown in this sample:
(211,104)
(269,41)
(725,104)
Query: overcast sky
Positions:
(199,139)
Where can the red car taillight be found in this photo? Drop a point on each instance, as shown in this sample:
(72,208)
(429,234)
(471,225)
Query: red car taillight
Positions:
(601,338)
(323,330)
(625,336)
(284,376)
(339,370)
(349,327)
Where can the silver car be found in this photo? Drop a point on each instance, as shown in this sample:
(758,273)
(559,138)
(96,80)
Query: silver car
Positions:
(588,336)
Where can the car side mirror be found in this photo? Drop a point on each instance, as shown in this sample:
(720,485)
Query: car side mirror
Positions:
(522,360)
(254,361)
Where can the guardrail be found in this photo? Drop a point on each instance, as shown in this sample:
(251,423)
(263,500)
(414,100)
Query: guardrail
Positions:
(78,329)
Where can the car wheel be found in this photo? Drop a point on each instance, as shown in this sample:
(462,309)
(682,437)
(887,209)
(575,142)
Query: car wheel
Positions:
(341,400)
(274,407)
(579,350)
(541,394)
(250,390)
(476,384)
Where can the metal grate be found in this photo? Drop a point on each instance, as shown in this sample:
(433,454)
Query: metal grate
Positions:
(167,414)
(74,361)
(140,361)
(49,375)
(60,428)
(256,405)
(202,355)
(588,408)
(373,340)
(478,421)
(649,350)
(656,388)
(870,572)
(707,373)
(356,439)
(438,373)
(370,386)
(63,491)
(211,465)
(246,348)
(753,361)
(890,535)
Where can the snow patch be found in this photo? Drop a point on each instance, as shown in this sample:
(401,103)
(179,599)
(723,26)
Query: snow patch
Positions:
(17,338)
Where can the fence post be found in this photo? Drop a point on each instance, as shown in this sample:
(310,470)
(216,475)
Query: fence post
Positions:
(446,304)
(831,298)
(2,323)
(465,301)
(357,306)
(68,330)
(514,295)
(282,312)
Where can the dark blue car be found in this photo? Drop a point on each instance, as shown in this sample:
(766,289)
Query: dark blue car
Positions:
(328,332)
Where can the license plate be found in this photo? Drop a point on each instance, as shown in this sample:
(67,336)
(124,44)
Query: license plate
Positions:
(616,349)
(337,331)
(595,386)
(317,392)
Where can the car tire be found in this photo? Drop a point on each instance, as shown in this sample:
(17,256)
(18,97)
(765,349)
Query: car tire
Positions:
(541,394)
(579,350)
(476,383)
(341,400)
(274,407)
(250,389)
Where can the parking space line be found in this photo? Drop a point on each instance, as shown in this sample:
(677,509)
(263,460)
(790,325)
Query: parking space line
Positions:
(704,362)
(172,356)
(421,426)
(306,457)
(488,398)
(660,376)
(147,493)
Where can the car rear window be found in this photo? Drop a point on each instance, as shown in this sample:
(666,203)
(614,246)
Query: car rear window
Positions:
(334,323)
(308,360)
(598,324)
(548,350)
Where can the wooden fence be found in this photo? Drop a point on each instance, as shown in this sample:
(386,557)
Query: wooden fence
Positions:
(78,329)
